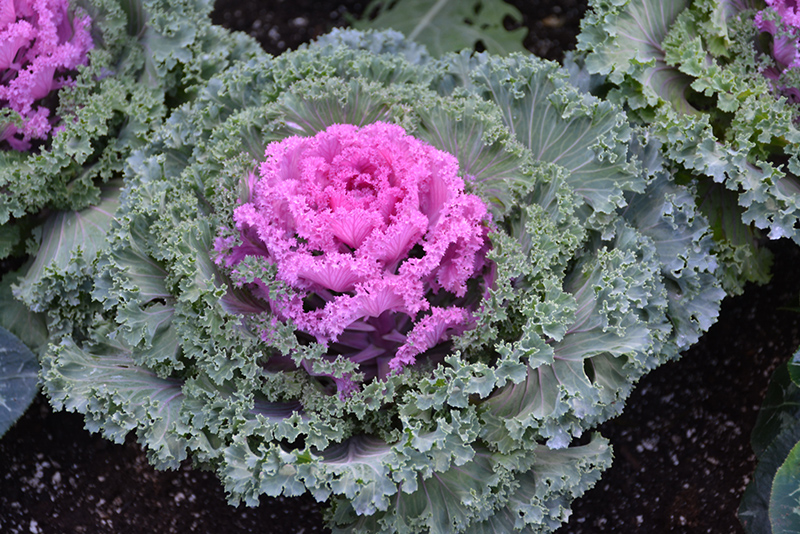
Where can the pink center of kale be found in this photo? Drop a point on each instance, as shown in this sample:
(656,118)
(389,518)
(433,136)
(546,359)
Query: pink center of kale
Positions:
(373,230)
(40,43)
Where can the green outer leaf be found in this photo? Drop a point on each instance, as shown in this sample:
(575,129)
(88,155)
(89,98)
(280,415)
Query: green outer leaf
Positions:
(118,396)
(623,40)
(728,124)
(784,502)
(754,510)
(667,214)
(19,374)
(384,42)
(111,109)
(467,21)
(581,379)
(779,411)
(534,499)
(739,247)
(776,433)
(68,234)
(584,135)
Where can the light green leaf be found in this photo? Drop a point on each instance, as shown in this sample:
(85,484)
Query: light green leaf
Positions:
(468,22)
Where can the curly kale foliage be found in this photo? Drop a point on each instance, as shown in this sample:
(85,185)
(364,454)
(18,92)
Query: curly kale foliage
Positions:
(58,199)
(602,272)
(695,73)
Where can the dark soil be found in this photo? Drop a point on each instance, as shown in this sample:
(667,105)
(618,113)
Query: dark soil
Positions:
(682,453)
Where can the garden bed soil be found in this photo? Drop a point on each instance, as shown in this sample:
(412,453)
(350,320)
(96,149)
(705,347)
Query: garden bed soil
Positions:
(682,453)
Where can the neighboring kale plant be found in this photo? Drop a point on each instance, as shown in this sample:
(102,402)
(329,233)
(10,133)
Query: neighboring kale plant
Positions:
(781,20)
(84,84)
(41,43)
(406,286)
(770,502)
(713,89)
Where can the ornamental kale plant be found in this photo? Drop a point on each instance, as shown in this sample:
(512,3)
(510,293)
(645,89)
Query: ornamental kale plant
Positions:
(407,286)
(710,79)
(769,503)
(42,42)
(84,84)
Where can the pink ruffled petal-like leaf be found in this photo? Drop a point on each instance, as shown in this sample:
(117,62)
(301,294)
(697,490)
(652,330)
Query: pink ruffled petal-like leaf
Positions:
(434,329)
(365,225)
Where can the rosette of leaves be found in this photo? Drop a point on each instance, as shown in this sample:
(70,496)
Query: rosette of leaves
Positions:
(60,184)
(697,73)
(481,304)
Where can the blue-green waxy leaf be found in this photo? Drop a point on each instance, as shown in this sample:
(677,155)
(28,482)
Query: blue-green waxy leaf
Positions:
(624,41)
(542,494)
(118,396)
(442,503)
(492,167)
(590,368)
(784,502)
(694,74)
(19,374)
(385,42)
(468,23)
(667,214)
(306,114)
